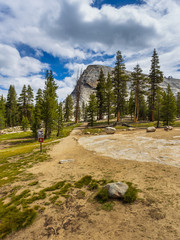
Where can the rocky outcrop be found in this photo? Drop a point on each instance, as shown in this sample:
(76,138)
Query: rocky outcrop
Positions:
(91,74)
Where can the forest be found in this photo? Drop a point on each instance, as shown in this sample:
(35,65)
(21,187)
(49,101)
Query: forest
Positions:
(146,101)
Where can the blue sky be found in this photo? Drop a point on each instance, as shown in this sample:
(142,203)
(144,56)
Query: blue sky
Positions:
(68,35)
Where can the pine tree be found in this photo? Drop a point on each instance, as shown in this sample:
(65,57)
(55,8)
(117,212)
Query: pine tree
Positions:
(155,78)
(59,119)
(100,94)
(37,114)
(2,112)
(120,86)
(142,108)
(178,104)
(131,104)
(49,108)
(109,97)
(25,123)
(11,107)
(138,85)
(158,105)
(78,97)
(92,109)
(169,108)
(30,97)
(23,103)
(68,109)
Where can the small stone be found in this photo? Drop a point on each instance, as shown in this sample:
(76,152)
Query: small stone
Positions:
(131,129)
(110,130)
(88,133)
(66,161)
(151,129)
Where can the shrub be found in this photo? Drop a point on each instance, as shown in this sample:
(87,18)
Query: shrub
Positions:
(102,195)
(131,194)
(83,182)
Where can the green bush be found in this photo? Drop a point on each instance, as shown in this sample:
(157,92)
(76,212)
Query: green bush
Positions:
(85,181)
(102,195)
(131,194)
(93,185)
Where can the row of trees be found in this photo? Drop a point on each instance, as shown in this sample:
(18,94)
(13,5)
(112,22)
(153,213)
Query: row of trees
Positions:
(147,100)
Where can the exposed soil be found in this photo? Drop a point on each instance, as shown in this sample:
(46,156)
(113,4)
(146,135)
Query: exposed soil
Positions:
(154,216)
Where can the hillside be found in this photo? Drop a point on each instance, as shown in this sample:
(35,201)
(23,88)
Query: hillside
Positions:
(91,73)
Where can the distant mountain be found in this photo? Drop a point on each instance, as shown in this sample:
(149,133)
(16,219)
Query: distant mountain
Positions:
(91,74)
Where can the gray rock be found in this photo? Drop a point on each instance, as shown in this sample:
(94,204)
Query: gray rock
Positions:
(167,128)
(116,190)
(66,161)
(110,130)
(151,129)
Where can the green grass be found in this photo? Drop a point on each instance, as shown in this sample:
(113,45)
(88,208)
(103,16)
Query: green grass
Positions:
(131,194)
(83,182)
(19,135)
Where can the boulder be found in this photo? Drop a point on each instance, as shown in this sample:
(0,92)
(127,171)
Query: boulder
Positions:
(110,130)
(167,128)
(116,190)
(151,129)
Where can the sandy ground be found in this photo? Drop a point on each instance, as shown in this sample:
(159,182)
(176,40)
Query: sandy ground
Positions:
(154,216)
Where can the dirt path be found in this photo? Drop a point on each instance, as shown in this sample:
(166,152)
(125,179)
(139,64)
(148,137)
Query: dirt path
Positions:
(155,216)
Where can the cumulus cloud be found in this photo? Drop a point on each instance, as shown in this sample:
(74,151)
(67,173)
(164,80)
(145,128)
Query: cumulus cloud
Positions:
(75,30)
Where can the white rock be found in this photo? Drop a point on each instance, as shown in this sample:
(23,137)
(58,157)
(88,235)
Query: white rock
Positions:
(110,130)
(116,190)
(151,129)
(167,128)
(66,161)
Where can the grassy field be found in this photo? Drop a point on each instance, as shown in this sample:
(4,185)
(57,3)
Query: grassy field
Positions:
(22,153)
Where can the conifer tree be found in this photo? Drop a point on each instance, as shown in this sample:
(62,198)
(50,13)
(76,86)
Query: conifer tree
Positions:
(37,115)
(158,105)
(2,112)
(49,108)
(168,111)
(59,119)
(120,86)
(30,97)
(178,104)
(11,107)
(100,94)
(142,108)
(138,85)
(68,109)
(23,103)
(78,97)
(24,123)
(109,97)
(92,109)
(155,78)
(131,104)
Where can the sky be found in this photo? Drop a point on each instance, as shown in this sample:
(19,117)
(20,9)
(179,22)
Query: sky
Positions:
(66,36)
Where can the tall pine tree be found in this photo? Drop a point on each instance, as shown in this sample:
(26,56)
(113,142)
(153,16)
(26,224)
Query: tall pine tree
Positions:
(138,85)
(178,104)
(92,109)
(11,107)
(68,109)
(49,112)
(59,119)
(100,94)
(30,98)
(23,103)
(168,111)
(109,97)
(37,114)
(155,78)
(2,112)
(120,85)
